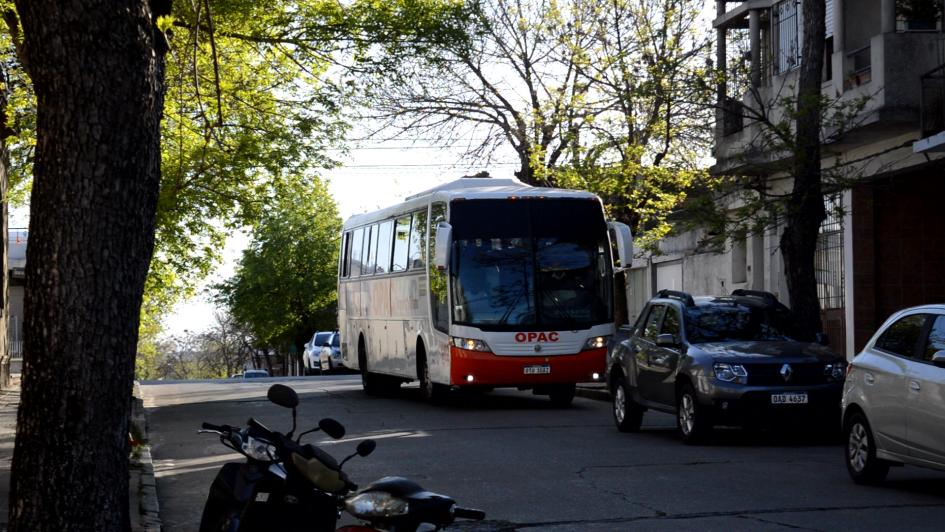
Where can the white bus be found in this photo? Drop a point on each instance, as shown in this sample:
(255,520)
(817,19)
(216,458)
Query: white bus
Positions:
(480,283)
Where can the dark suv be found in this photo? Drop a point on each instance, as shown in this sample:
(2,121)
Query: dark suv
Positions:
(726,360)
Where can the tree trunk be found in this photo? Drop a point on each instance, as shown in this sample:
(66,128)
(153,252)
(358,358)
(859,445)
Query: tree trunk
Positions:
(98,71)
(805,207)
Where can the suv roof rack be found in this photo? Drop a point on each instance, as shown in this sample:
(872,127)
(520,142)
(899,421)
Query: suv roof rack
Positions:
(676,294)
(767,296)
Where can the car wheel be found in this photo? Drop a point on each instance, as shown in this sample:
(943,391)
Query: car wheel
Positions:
(628,414)
(692,420)
(562,395)
(862,463)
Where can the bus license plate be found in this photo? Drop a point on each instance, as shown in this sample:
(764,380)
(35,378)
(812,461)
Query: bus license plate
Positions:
(789,398)
(538,370)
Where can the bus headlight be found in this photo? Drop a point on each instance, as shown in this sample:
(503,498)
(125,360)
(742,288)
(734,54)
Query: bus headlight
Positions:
(469,344)
(596,342)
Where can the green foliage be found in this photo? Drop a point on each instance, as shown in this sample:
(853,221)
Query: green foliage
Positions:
(285,285)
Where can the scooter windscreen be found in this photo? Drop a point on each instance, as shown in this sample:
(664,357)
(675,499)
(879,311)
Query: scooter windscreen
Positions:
(319,474)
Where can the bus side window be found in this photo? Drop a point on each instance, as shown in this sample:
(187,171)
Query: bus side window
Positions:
(370,250)
(356,248)
(346,255)
(384,235)
(438,279)
(401,240)
(418,239)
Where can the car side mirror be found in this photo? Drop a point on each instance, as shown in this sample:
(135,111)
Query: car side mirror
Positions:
(939,358)
(666,340)
(822,338)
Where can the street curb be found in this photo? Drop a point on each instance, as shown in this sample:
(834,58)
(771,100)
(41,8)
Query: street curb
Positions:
(596,393)
(142,486)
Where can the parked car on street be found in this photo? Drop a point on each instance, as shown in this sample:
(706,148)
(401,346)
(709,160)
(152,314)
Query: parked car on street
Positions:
(894,396)
(255,374)
(311,357)
(721,360)
(330,353)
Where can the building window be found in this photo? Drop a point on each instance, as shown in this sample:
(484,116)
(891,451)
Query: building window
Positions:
(828,260)
(918,15)
(788,35)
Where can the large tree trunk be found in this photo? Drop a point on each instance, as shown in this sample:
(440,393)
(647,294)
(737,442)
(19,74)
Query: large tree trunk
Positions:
(805,207)
(98,69)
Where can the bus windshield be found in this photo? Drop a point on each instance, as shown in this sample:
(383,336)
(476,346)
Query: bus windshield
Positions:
(530,263)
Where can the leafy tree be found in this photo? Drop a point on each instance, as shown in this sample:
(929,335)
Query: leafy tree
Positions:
(96,172)
(608,95)
(285,285)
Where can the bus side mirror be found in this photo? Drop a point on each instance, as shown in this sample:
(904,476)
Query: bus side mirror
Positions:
(441,248)
(621,232)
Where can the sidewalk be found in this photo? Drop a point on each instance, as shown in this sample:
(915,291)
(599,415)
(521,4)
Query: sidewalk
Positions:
(9,399)
(142,488)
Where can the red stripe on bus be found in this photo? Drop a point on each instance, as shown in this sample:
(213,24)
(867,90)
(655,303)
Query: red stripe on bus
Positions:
(489,369)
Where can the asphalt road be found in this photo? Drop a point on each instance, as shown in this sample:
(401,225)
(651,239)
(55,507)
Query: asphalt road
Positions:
(534,467)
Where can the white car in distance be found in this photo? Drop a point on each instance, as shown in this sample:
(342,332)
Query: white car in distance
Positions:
(894,396)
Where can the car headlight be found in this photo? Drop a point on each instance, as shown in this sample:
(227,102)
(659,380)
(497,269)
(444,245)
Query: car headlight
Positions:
(836,371)
(376,504)
(730,372)
(258,449)
(596,342)
(469,344)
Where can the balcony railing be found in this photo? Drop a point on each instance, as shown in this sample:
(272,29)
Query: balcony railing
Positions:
(859,64)
(932,105)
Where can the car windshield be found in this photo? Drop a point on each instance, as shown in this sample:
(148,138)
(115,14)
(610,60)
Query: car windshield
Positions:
(539,263)
(321,338)
(336,340)
(727,322)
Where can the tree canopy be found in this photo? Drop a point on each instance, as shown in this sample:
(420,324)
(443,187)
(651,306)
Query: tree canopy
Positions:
(284,285)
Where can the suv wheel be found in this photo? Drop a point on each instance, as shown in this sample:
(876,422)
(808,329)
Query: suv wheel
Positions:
(861,459)
(628,415)
(692,420)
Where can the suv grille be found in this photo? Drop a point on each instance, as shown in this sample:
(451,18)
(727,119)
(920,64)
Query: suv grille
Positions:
(802,374)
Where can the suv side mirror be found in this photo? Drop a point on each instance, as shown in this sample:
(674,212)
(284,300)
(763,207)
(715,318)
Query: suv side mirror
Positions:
(666,340)
(939,358)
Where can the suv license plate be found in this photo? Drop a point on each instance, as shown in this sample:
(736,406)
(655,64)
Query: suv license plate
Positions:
(537,370)
(789,398)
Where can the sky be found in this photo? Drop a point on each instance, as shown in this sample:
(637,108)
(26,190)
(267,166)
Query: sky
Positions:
(375,174)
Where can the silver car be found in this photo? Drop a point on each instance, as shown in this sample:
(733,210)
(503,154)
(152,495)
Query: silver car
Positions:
(894,396)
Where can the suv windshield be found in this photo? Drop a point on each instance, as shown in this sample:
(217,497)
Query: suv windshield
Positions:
(732,321)
(336,340)
(531,262)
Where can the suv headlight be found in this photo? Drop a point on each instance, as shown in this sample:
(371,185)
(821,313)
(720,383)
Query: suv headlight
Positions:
(596,342)
(835,372)
(730,372)
(376,504)
(469,344)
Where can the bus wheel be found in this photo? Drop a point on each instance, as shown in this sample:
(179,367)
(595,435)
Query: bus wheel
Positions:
(369,382)
(429,390)
(561,395)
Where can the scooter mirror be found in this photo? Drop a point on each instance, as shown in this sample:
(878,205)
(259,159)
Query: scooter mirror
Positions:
(282,395)
(366,447)
(332,428)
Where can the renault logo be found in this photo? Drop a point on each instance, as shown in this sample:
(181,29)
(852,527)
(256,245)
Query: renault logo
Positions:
(786,372)
(538,348)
